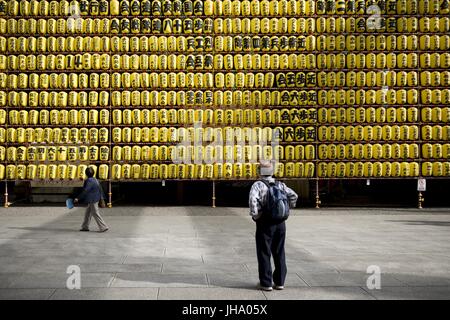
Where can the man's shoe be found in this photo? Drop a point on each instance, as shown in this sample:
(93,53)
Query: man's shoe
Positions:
(104,230)
(278,287)
(264,288)
(84,229)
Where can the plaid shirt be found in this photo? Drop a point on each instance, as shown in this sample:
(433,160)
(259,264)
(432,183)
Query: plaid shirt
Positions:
(258,195)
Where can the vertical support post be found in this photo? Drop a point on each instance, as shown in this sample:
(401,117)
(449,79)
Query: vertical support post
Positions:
(318,202)
(6,204)
(109,194)
(421,200)
(213,194)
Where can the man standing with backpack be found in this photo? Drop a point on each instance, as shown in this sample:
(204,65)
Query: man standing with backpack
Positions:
(269,203)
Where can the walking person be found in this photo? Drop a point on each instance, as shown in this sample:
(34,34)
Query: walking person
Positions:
(92,194)
(269,203)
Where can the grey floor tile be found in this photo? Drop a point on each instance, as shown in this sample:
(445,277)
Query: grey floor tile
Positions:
(218,258)
(423,280)
(146,280)
(142,259)
(26,294)
(98,267)
(301,267)
(319,293)
(362,278)
(331,280)
(188,254)
(70,259)
(7,279)
(204,268)
(14,267)
(210,294)
(249,281)
(412,293)
(106,294)
(52,280)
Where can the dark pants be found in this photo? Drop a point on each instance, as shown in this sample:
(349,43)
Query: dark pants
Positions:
(270,240)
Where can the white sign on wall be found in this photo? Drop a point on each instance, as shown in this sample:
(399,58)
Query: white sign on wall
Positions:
(421,184)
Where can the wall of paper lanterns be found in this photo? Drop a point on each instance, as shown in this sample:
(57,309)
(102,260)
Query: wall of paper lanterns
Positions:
(346,88)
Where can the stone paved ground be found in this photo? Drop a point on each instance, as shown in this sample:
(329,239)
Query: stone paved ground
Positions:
(205,253)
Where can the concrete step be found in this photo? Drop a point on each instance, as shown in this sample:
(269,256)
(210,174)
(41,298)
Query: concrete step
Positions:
(52,198)
(52,190)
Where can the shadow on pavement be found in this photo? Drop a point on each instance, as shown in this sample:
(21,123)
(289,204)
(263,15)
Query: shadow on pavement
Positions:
(44,229)
(424,223)
(308,271)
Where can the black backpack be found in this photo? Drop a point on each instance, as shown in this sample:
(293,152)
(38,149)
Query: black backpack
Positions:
(276,208)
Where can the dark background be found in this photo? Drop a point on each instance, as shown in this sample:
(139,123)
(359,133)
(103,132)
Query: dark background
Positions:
(333,193)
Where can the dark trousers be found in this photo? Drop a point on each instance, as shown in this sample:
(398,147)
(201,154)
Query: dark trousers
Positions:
(270,240)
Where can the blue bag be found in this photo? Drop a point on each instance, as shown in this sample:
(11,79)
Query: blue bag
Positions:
(277,203)
(69,203)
